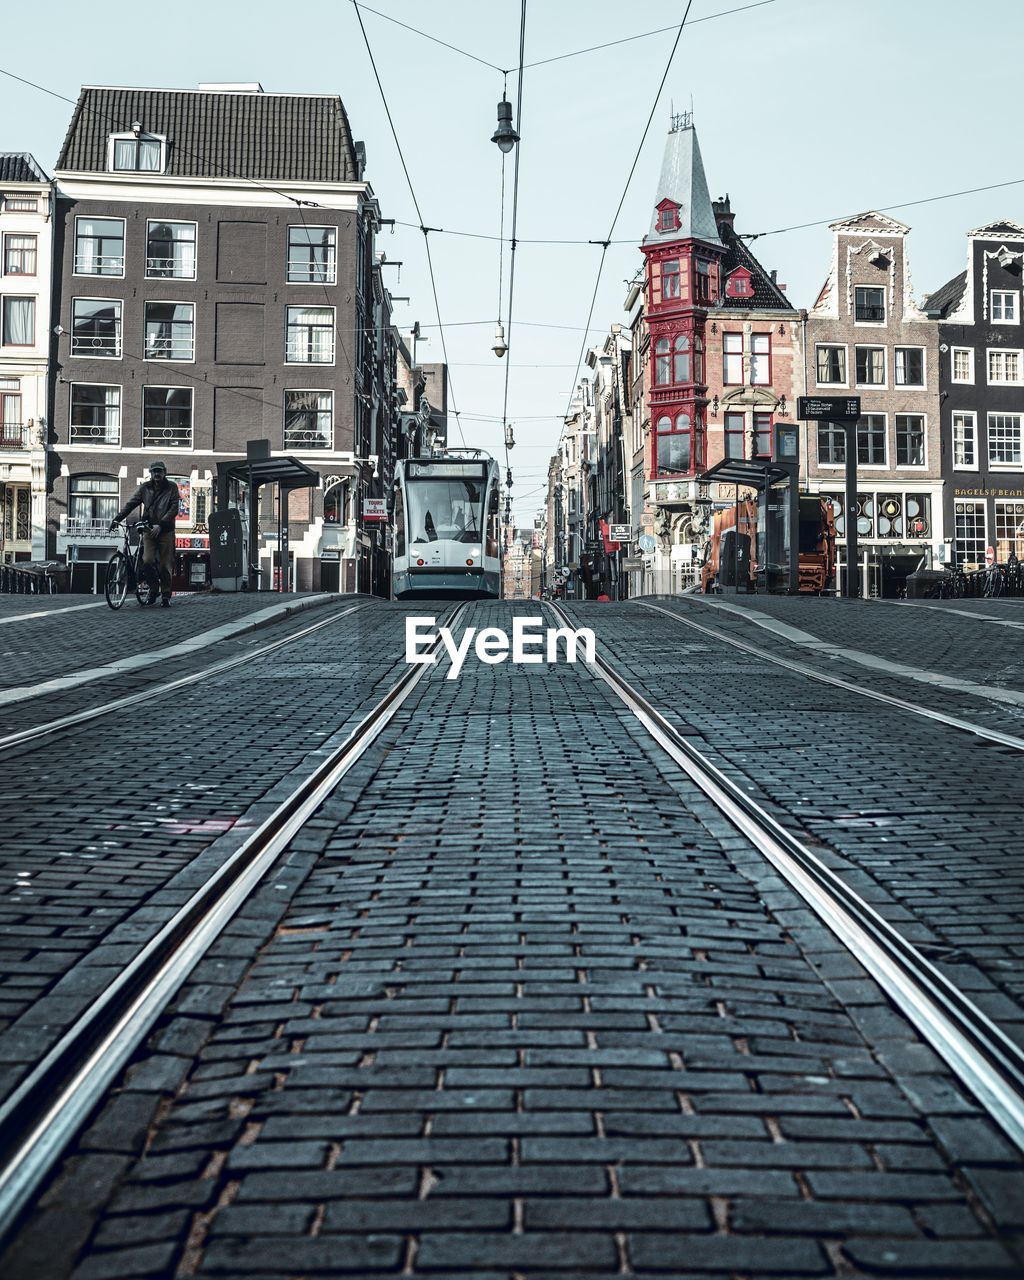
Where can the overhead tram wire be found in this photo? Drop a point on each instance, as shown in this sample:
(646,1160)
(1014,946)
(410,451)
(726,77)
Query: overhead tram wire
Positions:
(515,220)
(622,199)
(416,205)
(435,39)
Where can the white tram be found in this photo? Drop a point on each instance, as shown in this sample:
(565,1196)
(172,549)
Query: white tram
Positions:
(446,526)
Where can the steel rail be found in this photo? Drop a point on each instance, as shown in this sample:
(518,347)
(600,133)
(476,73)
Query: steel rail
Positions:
(132,699)
(967,1040)
(966,726)
(50,1106)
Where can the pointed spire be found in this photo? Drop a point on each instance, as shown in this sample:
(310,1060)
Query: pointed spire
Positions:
(683,183)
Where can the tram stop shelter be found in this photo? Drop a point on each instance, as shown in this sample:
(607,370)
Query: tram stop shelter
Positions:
(234,522)
(776,484)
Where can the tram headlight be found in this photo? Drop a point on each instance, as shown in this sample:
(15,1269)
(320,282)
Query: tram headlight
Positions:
(421,562)
(470,560)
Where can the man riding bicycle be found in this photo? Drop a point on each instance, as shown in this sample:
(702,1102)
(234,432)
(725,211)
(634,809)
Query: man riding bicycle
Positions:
(159,499)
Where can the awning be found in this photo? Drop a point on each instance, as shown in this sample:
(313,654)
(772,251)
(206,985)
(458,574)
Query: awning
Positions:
(283,470)
(746,471)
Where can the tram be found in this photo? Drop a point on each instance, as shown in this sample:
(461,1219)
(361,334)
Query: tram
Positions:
(446,527)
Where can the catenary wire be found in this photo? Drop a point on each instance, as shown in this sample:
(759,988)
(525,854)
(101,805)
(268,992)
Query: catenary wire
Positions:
(416,205)
(515,220)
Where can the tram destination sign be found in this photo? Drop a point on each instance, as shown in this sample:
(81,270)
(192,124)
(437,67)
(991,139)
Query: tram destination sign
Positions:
(828,408)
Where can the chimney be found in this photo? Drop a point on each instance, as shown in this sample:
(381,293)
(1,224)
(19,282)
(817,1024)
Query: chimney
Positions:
(724,216)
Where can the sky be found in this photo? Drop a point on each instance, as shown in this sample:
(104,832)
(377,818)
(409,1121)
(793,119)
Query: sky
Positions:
(806,111)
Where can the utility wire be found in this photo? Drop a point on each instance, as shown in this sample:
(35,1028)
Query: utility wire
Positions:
(416,205)
(515,219)
(434,39)
(622,200)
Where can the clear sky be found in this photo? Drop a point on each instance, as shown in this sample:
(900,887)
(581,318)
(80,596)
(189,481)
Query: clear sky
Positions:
(806,110)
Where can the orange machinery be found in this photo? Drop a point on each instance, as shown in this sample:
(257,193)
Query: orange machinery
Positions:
(817,543)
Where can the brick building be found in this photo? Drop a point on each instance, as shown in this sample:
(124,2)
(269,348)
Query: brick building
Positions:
(217,285)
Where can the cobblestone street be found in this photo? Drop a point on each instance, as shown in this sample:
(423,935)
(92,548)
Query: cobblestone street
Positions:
(518,1000)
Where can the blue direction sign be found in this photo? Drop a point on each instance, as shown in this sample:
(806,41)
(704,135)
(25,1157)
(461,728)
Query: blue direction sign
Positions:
(646,542)
(828,408)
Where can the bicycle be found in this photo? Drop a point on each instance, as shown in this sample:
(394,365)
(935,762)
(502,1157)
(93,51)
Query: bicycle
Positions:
(126,571)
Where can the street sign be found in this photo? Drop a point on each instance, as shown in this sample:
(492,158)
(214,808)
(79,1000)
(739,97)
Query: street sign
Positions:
(618,532)
(375,509)
(632,563)
(646,542)
(829,408)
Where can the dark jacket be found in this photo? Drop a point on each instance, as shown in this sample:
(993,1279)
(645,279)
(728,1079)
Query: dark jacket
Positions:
(158,507)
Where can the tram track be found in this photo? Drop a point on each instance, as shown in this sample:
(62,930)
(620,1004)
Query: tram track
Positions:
(985,1060)
(801,668)
(53,1102)
(21,736)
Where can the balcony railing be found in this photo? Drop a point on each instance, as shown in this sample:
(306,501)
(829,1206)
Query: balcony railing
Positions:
(174,348)
(94,344)
(298,438)
(79,529)
(180,268)
(95,264)
(14,435)
(166,437)
(94,433)
(302,271)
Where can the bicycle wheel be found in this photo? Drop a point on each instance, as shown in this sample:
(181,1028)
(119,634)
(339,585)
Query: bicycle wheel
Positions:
(115,586)
(147,588)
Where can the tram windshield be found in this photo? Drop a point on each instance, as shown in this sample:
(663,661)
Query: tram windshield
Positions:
(444,510)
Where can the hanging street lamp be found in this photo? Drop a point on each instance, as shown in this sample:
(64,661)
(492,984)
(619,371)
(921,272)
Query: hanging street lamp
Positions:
(505,135)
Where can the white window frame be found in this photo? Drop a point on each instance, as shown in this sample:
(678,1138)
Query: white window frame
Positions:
(1003,294)
(909,466)
(72,443)
(12,199)
(132,136)
(91,355)
(871,324)
(1004,351)
(914,386)
(1001,507)
(970,420)
(184,222)
(872,346)
(875,466)
(164,447)
(838,346)
(308,391)
(6,297)
(332,273)
(96,275)
(1004,466)
(953,353)
(168,302)
(305,364)
(976,505)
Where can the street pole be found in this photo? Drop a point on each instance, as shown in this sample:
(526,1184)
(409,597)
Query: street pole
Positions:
(850,511)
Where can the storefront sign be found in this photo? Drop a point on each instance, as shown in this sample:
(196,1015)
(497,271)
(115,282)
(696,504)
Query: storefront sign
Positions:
(197,542)
(375,509)
(985,492)
(618,532)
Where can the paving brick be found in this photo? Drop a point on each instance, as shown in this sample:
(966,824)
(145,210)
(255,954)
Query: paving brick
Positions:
(972,1258)
(334,1255)
(766,1256)
(446,1251)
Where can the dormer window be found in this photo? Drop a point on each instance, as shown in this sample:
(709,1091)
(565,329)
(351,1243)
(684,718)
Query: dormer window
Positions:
(668,216)
(739,285)
(136,152)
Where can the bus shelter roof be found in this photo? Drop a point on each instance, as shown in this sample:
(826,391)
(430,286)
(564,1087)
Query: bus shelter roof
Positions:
(748,471)
(283,470)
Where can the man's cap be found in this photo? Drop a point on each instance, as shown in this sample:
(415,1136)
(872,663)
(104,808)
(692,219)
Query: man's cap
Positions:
(158,466)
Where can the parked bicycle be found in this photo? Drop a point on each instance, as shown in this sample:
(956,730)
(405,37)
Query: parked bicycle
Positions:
(126,570)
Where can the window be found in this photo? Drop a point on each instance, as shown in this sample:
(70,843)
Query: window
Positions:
(910,366)
(890,515)
(10,416)
(166,418)
(732,358)
(673,444)
(871,440)
(969,520)
(136,153)
(870,366)
(1005,439)
(734,425)
(919,515)
(965,441)
(170,331)
(868,304)
(96,327)
(760,359)
(1004,366)
(698,360)
(19,255)
(308,419)
(670,278)
(19,322)
(310,335)
(311,255)
(962,362)
(21,204)
(662,363)
(668,218)
(1004,306)
(95,414)
(739,286)
(831,444)
(910,440)
(762,435)
(1009,530)
(99,246)
(703,281)
(831,365)
(681,359)
(170,250)
(93,498)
